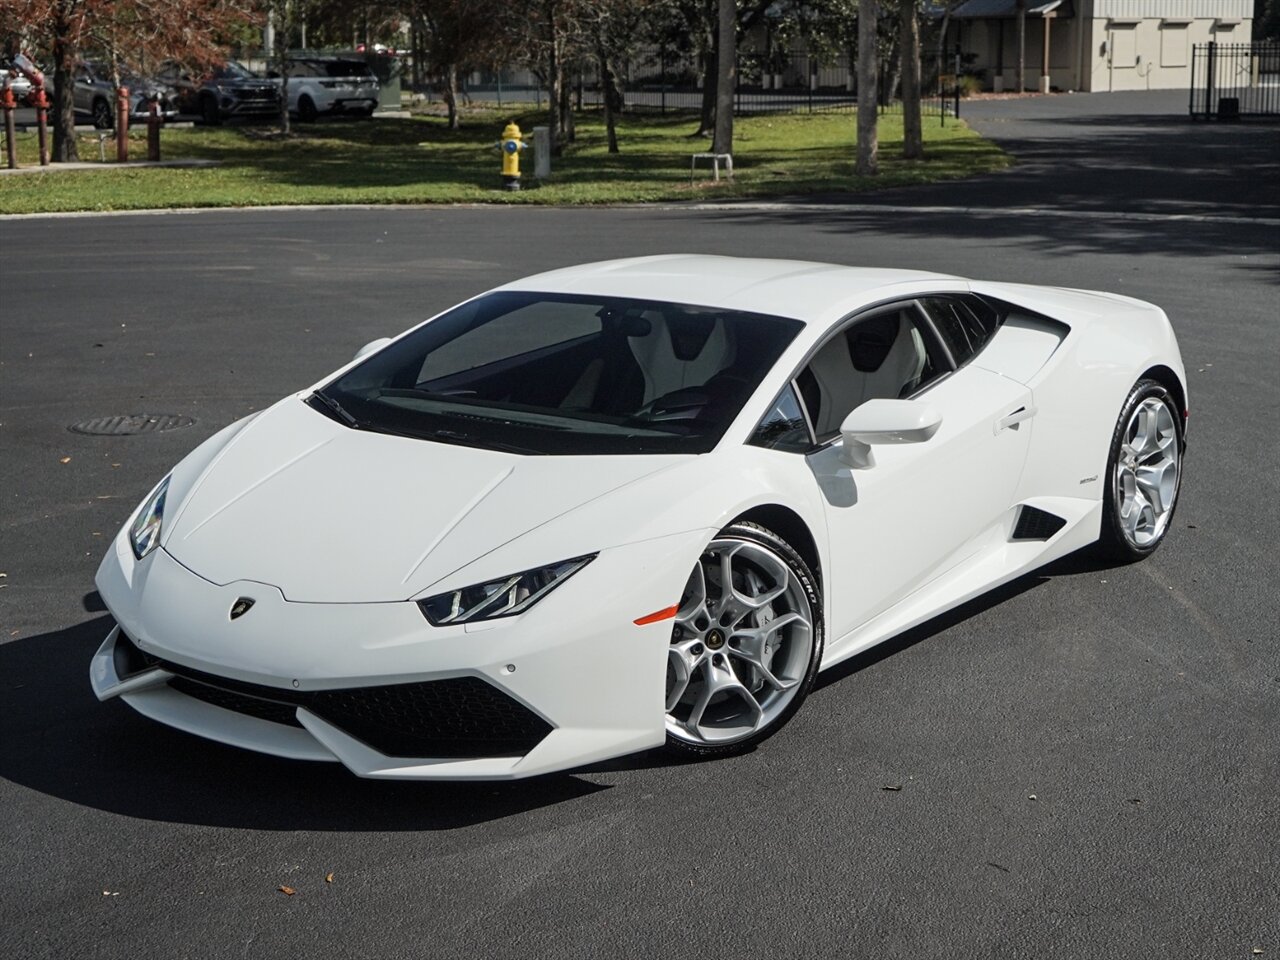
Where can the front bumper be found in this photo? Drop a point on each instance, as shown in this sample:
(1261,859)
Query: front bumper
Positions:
(374,686)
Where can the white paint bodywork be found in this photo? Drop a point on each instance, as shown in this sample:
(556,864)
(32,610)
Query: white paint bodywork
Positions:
(336,532)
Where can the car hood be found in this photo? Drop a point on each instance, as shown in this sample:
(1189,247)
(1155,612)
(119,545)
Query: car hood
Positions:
(333,515)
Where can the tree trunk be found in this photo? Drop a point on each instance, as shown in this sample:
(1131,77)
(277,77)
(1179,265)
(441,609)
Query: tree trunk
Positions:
(568,130)
(710,66)
(282,65)
(1022,47)
(611,99)
(64,113)
(555,81)
(868,144)
(909,47)
(726,76)
(449,88)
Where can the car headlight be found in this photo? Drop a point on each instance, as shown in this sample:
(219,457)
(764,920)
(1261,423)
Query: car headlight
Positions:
(144,534)
(504,597)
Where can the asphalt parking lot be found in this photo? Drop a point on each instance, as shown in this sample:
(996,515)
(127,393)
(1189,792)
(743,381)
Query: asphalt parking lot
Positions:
(1082,765)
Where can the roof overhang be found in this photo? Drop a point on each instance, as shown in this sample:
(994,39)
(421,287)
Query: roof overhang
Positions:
(1008,9)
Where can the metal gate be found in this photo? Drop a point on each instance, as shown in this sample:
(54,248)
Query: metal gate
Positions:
(1232,80)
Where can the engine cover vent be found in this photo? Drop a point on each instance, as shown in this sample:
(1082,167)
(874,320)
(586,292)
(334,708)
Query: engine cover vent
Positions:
(1034,524)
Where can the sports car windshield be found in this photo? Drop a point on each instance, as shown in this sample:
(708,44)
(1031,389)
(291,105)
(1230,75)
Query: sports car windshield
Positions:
(539,373)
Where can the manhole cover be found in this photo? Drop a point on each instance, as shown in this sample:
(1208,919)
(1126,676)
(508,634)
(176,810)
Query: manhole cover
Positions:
(129,426)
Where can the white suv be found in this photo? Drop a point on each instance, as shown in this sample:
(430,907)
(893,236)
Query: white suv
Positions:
(331,85)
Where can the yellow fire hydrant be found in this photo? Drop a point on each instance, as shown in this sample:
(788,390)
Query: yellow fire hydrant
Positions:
(510,145)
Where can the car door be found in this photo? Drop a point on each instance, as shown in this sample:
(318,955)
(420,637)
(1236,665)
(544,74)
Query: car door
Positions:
(923,508)
(82,90)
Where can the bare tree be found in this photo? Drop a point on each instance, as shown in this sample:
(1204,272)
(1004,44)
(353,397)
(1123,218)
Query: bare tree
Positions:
(459,35)
(868,162)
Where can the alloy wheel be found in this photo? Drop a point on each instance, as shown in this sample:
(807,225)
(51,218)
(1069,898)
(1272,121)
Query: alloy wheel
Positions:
(1146,472)
(741,646)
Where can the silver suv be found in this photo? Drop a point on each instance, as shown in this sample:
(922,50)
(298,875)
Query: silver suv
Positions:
(94,96)
(329,85)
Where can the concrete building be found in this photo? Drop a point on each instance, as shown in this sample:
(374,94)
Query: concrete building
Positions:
(1095,44)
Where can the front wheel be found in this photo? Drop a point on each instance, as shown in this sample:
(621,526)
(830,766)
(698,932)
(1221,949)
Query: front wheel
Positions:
(307,111)
(1144,473)
(103,117)
(746,644)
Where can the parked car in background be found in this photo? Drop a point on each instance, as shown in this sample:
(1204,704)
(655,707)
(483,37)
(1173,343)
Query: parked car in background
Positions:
(328,85)
(226,91)
(20,85)
(94,95)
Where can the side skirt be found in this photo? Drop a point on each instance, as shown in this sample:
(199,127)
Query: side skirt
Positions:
(992,566)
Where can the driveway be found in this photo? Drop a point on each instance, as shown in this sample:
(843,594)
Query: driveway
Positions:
(1114,153)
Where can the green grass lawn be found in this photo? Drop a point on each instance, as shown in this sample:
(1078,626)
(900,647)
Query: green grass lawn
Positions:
(419,160)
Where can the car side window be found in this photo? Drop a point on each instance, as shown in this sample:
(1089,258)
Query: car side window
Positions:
(889,355)
(964,323)
(783,427)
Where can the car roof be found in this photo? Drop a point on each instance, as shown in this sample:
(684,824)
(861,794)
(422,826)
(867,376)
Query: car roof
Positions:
(787,288)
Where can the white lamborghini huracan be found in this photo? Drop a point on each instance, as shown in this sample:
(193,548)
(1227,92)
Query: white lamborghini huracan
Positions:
(632,503)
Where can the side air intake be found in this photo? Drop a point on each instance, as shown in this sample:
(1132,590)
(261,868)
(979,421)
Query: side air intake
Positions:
(1036,524)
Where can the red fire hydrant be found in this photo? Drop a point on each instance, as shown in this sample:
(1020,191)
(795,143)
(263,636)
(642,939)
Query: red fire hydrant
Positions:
(122,124)
(9,103)
(153,129)
(41,101)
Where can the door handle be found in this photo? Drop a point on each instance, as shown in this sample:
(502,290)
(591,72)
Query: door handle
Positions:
(1011,421)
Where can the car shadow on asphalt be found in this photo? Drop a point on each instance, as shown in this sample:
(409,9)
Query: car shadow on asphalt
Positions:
(59,740)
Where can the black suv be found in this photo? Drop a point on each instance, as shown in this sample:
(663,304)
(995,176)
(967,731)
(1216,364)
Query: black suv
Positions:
(230,90)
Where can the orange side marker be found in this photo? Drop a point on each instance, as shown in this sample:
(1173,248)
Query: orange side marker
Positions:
(666,614)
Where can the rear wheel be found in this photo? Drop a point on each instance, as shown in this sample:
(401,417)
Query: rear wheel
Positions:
(209,111)
(102,115)
(746,644)
(1144,473)
(307,111)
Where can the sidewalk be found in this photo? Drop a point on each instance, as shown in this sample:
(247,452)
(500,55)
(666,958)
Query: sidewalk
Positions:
(109,165)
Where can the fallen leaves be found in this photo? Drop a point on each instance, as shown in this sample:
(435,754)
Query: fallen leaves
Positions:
(287,891)
(328,878)
(65,460)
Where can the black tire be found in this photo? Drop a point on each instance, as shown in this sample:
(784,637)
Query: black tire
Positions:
(1115,544)
(307,111)
(103,116)
(209,111)
(752,533)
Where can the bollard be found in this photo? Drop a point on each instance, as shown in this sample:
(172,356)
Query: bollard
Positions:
(9,104)
(153,130)
(42,124)
(122,124)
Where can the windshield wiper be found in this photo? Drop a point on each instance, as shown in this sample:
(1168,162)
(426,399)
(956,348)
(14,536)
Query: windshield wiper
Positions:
(337,409)
(466,440)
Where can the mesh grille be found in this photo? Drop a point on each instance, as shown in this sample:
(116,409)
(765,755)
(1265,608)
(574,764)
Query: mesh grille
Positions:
(458,718)
(1036,524)
(263,709)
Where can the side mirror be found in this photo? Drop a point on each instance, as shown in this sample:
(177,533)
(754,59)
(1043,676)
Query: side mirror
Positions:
(882,422)
(371,347)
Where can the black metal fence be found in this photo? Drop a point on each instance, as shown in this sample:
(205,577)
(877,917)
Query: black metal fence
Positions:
(1233,80)
(661,80)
